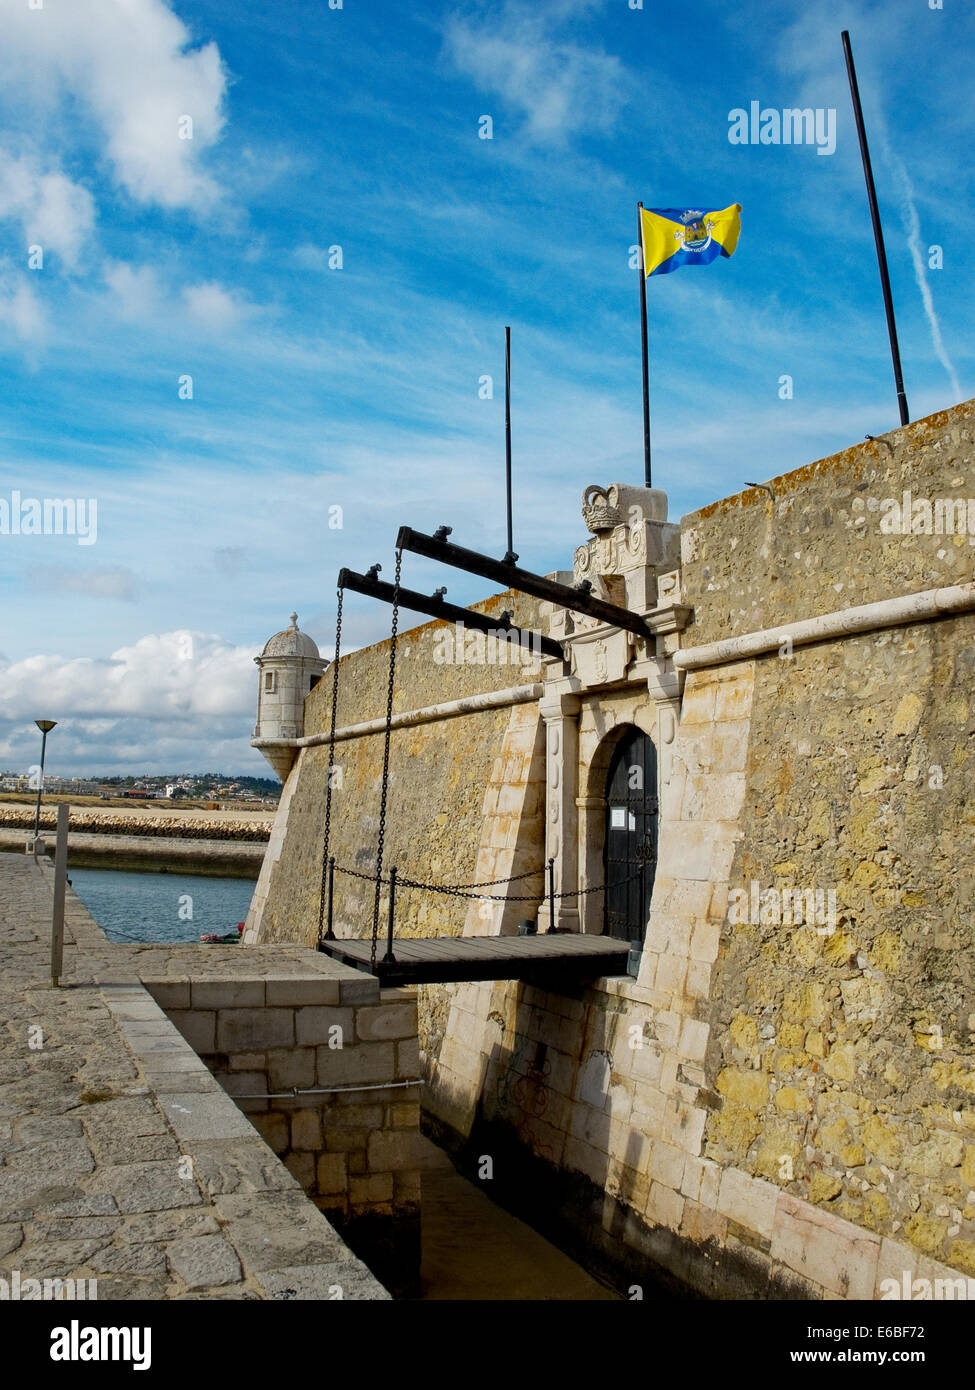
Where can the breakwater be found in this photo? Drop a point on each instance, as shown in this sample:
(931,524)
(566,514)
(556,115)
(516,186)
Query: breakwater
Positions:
(175,843)
(185,825)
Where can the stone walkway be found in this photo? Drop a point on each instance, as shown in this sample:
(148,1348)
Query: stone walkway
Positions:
(103,1175)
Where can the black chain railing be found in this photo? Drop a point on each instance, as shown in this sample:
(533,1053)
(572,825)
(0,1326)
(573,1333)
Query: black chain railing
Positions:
(451,890)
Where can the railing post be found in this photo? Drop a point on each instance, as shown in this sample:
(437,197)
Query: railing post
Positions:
(389,958)
(60,875)
(551,895)
(330,935)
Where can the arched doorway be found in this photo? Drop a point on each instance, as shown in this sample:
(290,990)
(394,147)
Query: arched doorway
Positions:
(630,854)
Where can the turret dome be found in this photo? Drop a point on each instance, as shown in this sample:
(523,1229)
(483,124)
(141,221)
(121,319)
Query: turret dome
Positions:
(291,642)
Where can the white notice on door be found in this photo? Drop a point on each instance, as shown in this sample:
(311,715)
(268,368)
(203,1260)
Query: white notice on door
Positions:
(617,818)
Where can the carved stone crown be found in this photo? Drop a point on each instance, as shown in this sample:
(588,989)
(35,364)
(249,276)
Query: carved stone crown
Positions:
(597,511)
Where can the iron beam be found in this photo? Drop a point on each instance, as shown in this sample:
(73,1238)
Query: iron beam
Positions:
(576,600)
(435,606)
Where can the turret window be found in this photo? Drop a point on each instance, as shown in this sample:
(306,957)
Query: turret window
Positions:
(270,682)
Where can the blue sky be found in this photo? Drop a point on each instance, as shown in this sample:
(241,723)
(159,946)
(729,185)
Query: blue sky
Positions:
(316,388)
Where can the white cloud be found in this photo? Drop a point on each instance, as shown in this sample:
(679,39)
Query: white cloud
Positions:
(559,86)
(20,308)
(162,676)
(53,212)
(172,701)
(213,306)
(136,289)
(138,295)
(130,65)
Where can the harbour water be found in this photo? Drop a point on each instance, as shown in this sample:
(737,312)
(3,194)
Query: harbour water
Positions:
(161,907)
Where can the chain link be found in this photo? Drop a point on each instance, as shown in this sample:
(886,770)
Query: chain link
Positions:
(385,784)
(462,887)
(453,892)
(331,760)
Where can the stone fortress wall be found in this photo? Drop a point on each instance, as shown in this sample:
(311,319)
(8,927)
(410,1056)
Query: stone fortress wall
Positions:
(771,1108)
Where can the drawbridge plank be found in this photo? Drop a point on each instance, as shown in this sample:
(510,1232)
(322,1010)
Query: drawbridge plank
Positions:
(445,959)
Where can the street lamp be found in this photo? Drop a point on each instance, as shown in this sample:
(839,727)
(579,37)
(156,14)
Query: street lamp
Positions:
(45,726)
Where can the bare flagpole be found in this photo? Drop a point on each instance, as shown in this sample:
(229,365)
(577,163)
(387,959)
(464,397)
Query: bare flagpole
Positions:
(646,354)
(878,234)
(507,440)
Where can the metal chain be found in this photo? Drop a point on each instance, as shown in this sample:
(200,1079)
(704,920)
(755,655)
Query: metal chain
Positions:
(331,759)
(462,887)
(490,897)
(385,783)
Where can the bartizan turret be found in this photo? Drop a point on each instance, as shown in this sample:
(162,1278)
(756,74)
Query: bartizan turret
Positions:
(290,666)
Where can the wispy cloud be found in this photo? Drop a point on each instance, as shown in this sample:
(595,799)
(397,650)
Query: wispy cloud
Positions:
(912,226)
(21,309)
(559,86)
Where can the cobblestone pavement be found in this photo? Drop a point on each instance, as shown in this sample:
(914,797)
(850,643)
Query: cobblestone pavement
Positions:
(96,1182)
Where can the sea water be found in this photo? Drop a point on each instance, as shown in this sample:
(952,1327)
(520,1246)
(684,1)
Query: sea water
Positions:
(167,907)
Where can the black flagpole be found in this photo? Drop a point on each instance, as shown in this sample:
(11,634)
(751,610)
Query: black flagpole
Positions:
(507,432)
(878,234)
(646,358)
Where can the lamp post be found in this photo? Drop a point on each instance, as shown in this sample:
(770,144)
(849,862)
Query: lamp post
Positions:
(45,726)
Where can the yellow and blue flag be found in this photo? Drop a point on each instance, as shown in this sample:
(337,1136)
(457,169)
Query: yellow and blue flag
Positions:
(673,237)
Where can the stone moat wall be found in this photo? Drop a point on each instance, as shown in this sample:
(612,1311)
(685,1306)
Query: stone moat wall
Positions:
(348,1134)
(771,1108)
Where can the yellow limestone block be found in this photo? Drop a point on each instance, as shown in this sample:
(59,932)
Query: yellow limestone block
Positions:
(927,1233)
(790,1101)
(748,1088)
(968,1167)
(945,1074)
(882,1141)
(887,952)
(962,1255)
(907,716)
(835,1136)
(841,1063)
(824,1188)
(865,873)
(878,1206)
(744,1032)
(736,1128)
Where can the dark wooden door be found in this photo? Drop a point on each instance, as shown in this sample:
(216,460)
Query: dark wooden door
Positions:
(630,856)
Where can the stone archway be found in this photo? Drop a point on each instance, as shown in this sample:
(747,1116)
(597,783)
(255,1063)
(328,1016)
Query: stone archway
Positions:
(593,810)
